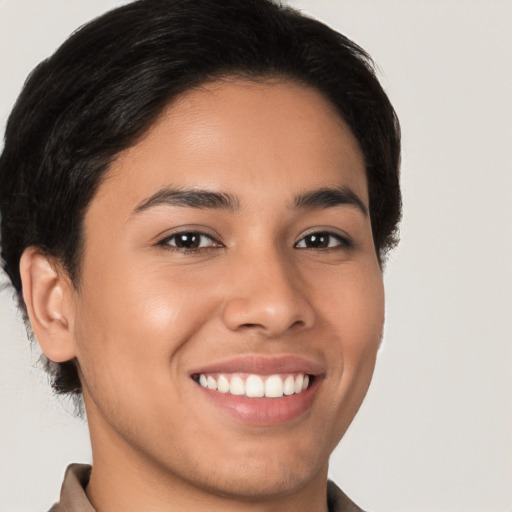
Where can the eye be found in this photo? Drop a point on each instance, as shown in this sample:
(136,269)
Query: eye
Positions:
(323,240)
(189,241)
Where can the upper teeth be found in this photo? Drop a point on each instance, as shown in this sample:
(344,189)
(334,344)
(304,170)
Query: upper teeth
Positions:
(255,386)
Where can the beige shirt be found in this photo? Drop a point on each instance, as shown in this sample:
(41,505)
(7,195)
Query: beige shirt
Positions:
(74,499)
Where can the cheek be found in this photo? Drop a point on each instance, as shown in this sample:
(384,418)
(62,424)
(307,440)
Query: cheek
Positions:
(365,316)
(131,323)
(353,304)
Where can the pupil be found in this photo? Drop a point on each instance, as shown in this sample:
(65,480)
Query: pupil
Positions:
(318,240)
(187,240)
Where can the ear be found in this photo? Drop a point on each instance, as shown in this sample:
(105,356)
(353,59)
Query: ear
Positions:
(49,296)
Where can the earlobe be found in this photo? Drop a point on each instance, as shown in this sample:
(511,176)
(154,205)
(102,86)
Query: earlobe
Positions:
(47,293)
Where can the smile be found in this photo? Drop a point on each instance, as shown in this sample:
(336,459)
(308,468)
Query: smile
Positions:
(253,385)
(260,391)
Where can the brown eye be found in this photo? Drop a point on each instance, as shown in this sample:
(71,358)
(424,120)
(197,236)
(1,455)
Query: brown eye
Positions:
(322,240)
(189,240)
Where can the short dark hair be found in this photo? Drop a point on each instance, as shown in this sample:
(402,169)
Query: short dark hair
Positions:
(106,85)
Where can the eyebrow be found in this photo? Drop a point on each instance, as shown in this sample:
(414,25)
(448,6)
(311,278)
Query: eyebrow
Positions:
(321,198)
(330,197)
(193,198)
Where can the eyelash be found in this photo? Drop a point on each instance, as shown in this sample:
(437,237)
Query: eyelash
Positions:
(213,243)
(341,242)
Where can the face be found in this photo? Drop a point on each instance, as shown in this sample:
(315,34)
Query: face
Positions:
(230,304)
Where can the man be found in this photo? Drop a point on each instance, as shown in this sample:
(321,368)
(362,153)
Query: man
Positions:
(196,200)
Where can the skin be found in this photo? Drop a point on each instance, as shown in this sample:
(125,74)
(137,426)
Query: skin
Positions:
(145,313)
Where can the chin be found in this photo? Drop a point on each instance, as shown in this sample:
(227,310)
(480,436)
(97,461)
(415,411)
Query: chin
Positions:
(248,484)
(265,475)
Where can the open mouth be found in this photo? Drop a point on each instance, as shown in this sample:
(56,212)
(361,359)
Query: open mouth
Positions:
(254,385)
(260,391)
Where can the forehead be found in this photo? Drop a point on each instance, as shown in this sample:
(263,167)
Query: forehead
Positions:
(242,137)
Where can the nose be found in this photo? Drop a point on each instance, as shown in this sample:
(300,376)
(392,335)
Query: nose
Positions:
(266,295)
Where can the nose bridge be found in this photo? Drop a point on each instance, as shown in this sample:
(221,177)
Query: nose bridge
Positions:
(266,294)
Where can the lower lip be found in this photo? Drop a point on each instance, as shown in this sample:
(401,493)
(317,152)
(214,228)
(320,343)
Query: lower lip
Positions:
(263,411)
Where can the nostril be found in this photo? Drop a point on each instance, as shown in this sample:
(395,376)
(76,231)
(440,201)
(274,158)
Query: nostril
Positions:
(269,313)
(249,326)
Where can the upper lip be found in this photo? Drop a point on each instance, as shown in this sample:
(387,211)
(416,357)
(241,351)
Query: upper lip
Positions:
(262,365)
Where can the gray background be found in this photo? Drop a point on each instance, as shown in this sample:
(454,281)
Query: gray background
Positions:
(435,432)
